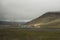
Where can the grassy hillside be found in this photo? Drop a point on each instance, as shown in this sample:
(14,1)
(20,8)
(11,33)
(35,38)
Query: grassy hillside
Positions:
(23,34)
(51,24)
(49,19)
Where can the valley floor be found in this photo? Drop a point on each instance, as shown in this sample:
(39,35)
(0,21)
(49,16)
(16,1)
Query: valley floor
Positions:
(29,34)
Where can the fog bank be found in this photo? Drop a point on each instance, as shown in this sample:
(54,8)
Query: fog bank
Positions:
(25,10)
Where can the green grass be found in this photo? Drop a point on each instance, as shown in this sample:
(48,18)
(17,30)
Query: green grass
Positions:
(23,34)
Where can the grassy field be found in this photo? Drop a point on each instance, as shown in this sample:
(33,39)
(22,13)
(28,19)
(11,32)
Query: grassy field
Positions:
(26,34)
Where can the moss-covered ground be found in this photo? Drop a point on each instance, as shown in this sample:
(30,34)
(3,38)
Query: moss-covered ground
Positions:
(27,34)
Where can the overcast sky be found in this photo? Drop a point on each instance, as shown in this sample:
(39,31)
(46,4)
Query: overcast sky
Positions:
(25,10)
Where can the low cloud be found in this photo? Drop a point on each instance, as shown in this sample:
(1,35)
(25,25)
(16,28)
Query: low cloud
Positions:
(26,9)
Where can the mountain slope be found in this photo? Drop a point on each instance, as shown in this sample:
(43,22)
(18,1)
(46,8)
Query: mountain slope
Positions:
(52,24)
(47,19)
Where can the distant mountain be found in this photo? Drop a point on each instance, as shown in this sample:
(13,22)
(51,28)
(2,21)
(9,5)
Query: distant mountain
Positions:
(47,20)
(10,23)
